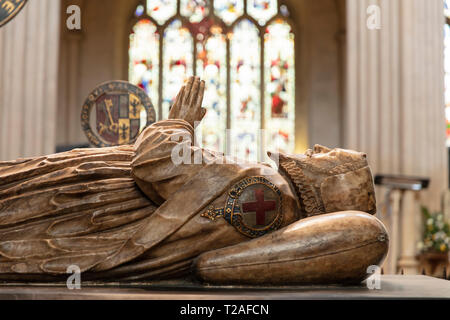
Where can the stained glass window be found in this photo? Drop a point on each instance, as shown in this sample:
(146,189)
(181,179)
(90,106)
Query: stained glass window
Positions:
(245,90)
(144,58)
(161,10)
(178,62)
(280,87)
(248,66)
(212,67)
(262,10)
(447,66)
(139,10)
(229,10)
(195,10)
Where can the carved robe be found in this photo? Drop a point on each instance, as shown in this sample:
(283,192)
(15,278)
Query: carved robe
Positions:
(122,212)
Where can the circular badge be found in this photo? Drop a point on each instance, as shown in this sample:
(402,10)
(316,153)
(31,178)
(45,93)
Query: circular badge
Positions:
(115,113)
(9,9)
(253,206)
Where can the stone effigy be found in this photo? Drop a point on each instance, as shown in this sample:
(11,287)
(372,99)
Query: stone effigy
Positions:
(130,213)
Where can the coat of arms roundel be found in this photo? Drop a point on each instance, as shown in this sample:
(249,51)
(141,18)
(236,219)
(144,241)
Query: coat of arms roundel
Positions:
(253,207)
(9,9)
(115,113)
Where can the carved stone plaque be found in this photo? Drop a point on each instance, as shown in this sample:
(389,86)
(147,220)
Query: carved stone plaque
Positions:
(115,113)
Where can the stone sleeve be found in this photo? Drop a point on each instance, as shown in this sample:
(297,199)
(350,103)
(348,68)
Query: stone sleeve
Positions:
(166,157)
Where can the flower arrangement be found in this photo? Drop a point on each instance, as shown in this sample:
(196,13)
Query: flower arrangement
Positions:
(436,237)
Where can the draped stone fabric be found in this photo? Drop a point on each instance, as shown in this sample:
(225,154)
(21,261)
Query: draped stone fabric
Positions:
(123,212)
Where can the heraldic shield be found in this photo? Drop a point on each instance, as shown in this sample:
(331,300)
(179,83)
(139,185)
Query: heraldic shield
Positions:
(120,111)
(118,117)
(253,207)
(9,9)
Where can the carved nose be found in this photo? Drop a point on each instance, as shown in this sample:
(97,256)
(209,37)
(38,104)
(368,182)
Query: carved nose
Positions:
(274,156)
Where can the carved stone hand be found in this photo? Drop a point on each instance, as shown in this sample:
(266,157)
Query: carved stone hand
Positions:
(188,103)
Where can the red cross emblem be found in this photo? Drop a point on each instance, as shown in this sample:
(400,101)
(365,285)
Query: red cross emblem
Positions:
(260,206)
(253,207)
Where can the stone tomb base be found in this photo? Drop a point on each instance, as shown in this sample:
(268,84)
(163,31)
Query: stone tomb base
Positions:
(391,287)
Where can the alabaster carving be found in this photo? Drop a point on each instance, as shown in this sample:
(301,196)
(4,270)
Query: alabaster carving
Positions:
(129,213)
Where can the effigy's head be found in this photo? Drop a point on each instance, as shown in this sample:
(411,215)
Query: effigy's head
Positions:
(329,180)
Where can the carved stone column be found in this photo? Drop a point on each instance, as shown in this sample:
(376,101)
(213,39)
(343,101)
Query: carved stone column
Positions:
(395,107)
(29,46)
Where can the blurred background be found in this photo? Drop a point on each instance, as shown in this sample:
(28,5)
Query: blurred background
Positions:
(360,74)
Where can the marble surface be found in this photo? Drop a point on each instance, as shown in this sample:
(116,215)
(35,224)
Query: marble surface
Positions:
(391,287)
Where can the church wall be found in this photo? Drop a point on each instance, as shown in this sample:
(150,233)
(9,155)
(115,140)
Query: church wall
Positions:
(29,49)
(319,71)
(394,108)
(89,57)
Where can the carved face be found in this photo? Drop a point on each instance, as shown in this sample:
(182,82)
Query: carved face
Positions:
(330,180)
